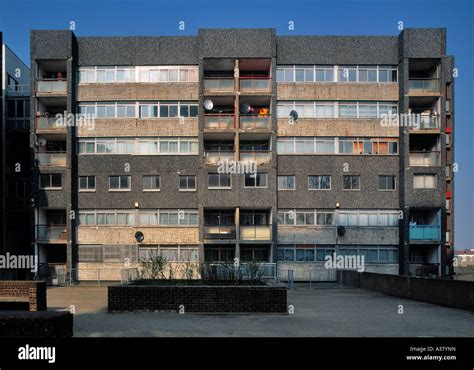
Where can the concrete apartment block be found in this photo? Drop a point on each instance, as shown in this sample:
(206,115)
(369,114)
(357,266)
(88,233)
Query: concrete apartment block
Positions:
(169,110)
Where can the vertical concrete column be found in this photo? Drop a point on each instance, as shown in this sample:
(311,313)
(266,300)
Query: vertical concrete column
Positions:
(236,110)
(237,233)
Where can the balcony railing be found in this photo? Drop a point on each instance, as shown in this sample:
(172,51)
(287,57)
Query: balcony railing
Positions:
(18,123)
(218,84)
(48,233)
(255,122)
(425,232)
(18,90)
(255,232)
(51,86)
(424,158)
(252,84)
(265,270)
(261,157)
(219,232)
(423,85)
(219,121)
(426,122)
(215,157)
(49,123)
(56,159)
(424,269)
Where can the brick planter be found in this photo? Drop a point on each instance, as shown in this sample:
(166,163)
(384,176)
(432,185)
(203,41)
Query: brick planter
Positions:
(211,299)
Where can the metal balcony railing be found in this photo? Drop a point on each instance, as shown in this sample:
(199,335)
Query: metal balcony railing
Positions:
(260,157)
(219,232)
(424,158)
(51,86)
(424,269)
(51,159)
(255,232)
(18,123)
(423,85)
(219,121)
(18,90)
(48,233)
(255,84)
(218,84)
(424,232)
(255,122)
(215,157)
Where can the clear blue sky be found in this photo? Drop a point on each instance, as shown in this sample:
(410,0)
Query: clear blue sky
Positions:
(153,17)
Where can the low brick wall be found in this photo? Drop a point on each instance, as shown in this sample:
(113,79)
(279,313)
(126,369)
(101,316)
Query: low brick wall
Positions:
(212,299)
(33,292)
(44,324)
(443,292)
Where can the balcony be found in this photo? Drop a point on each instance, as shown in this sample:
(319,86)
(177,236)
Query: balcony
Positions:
(49,124)
(18,90)
(255,122)
(260,157)
(255,232)
(219,232)
(215,157)
(18,123)
(424,158)
(51,234)
(255,84)
(423,85)
(424,269)
(218,84)
(51,87)
(219,121)
(51,159)
(424,233)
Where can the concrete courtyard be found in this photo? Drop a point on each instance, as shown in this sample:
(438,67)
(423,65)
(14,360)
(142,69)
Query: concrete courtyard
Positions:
(320,312)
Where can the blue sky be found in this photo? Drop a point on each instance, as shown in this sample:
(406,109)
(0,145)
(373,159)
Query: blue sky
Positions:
(153,17)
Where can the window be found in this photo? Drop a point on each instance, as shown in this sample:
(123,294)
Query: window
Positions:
(256,180)
(368,218)
(286,182)
(424,181)
(187,183)
(119,183)
(91,253)
(303,252)
(142,146)
(86,183)
(51,181)
(319,182)
(386,182)
(351,182)
(219,181)
(151,183)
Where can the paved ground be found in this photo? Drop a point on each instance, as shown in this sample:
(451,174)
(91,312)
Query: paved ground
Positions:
(317,312)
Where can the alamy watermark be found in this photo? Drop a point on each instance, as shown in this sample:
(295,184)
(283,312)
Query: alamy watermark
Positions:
(66,119)
(345,262)
(237,167)
(13,261)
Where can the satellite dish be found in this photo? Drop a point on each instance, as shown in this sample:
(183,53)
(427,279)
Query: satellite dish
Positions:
(42,141)
(294,115)
(208,104)
(245,108)
(139,236)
